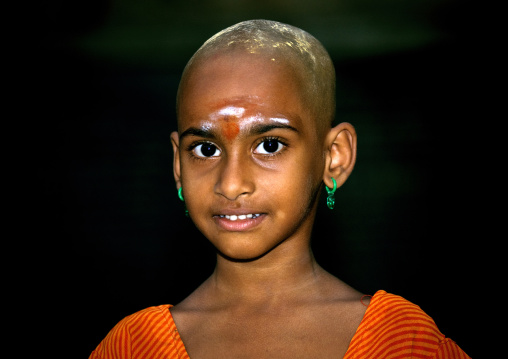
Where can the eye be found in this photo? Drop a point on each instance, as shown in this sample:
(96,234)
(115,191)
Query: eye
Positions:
(269,146)
(206,150)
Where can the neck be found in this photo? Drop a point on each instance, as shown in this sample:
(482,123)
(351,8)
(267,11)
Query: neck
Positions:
(265,279)
(287,273)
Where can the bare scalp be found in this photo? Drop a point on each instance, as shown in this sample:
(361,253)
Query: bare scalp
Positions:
(283,43)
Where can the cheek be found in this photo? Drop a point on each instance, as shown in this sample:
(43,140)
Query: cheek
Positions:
(197,183)
(291,186)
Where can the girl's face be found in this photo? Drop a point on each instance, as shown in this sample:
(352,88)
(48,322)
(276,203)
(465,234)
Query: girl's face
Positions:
(248,155)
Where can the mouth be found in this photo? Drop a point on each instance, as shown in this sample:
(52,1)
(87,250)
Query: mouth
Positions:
(239,222)
(240,217)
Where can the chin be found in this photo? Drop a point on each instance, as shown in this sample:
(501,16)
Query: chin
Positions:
(242,252)
(234,257)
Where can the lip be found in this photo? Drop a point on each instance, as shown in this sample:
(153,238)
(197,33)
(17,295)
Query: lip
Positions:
(240,224)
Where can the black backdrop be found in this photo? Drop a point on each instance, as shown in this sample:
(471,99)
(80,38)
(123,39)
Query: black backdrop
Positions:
(102,108)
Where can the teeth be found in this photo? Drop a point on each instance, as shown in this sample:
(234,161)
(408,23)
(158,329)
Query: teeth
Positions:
(234,217)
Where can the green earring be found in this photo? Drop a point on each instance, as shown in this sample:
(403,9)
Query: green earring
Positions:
(180,195)
(330,200)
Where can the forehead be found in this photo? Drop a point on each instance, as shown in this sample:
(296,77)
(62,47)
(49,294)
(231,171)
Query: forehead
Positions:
(239,83)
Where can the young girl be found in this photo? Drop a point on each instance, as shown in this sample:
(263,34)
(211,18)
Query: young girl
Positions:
(254,149)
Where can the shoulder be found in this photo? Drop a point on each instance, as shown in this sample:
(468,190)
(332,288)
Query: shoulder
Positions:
(145,328)
(144,320)
(393,325)
(160,312)
(393,310)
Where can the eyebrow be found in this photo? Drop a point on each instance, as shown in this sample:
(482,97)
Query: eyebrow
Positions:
(254,130)
(262,128)
(193,131)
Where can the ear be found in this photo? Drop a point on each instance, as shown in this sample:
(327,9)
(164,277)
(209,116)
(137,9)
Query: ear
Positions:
(175,142)
(340,154)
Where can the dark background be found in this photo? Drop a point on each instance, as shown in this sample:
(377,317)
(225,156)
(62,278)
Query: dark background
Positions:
(104,77)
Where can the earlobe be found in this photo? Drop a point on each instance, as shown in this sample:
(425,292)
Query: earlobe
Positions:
(175,142)
(340,154)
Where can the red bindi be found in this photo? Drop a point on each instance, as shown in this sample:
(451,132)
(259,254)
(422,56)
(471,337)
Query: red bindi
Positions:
(229,129)
(229,111)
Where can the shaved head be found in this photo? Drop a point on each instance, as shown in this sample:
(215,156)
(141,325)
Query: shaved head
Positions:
(286,44)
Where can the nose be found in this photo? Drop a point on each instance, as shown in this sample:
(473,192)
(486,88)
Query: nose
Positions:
(235,178)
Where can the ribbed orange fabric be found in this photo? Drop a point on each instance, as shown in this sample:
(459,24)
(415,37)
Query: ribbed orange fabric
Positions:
(149,333)
(392,328)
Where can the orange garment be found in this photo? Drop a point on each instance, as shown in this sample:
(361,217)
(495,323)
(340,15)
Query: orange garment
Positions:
(392,327)
(149,333)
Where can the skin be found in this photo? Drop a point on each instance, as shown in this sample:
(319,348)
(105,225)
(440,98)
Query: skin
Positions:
(267,287)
